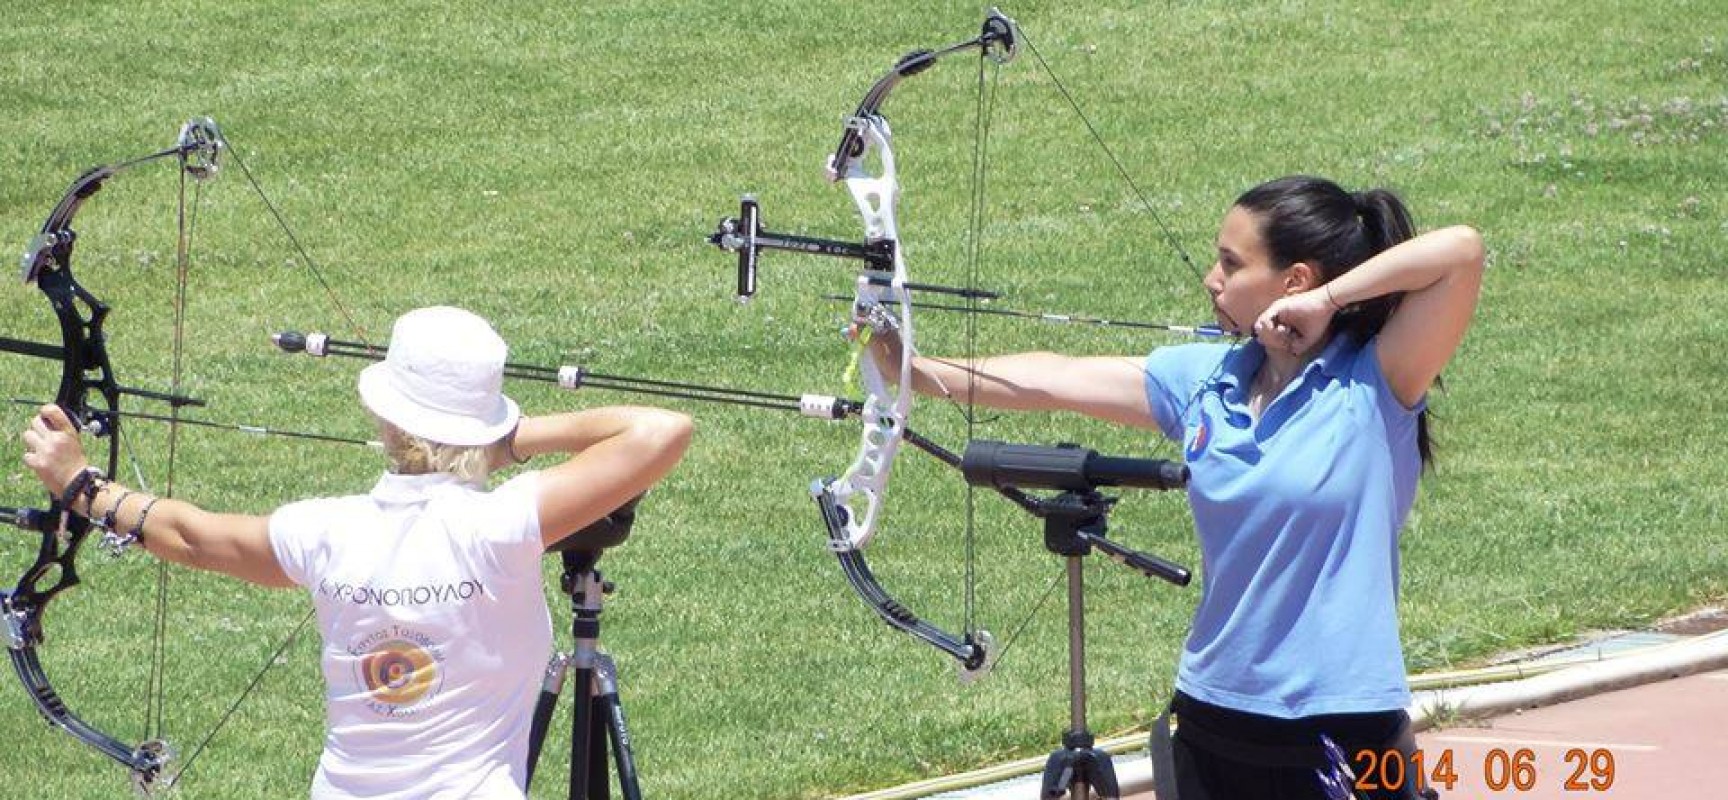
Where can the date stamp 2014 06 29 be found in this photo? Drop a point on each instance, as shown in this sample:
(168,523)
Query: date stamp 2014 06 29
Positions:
(1580,770)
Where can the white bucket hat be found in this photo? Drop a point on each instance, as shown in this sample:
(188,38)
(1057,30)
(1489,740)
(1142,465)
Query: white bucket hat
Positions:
(442,379)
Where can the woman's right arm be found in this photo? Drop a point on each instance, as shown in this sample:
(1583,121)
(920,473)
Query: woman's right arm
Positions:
(1110,388)
(616,453)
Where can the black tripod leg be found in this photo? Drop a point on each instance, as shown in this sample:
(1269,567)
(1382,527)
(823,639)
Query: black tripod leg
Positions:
(582,738)
(599,779)
(1103,773)
(1058,774)
(1080,774)
(550,687)
(612,707)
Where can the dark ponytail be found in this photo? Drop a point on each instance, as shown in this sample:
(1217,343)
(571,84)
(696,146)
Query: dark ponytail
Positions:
(1316,222)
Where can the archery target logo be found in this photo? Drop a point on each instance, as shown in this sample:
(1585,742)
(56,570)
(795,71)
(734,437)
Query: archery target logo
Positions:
(400,674)
(1202,437)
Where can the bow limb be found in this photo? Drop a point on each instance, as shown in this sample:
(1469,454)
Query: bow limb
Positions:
(975,651)
(998,40)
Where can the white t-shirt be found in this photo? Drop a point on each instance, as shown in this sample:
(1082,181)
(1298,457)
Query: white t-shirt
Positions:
(436,634)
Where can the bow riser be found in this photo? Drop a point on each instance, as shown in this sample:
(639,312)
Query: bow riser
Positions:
(87,370)
(55,560)
(860,490)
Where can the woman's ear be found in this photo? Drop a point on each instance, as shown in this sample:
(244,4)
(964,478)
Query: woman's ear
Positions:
(1301,277)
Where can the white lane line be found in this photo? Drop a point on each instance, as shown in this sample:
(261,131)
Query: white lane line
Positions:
(1635,748)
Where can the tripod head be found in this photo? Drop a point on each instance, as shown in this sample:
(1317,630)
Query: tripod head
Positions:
(606,532)
(1076,520)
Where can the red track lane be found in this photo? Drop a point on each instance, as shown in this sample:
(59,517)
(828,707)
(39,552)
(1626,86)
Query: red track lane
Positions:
(1665,740)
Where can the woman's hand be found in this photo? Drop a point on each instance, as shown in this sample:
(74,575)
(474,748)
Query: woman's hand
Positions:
(883,343)
(1296,323)
(52,449)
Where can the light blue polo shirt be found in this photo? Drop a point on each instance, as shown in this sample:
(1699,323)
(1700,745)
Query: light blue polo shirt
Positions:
(1298,517)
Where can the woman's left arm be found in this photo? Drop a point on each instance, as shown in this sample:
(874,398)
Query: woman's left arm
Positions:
(237,545)
(1440,274)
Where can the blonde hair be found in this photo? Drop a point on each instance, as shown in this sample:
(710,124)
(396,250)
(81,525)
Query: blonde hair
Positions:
(412,455)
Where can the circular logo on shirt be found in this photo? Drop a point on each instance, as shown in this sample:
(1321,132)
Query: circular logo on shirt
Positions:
(1201,437)
(398,674)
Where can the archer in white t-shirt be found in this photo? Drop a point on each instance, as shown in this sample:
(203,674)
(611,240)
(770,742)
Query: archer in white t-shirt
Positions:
(427,589)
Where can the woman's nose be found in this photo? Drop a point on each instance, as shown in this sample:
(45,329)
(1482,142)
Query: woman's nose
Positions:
(1214,280)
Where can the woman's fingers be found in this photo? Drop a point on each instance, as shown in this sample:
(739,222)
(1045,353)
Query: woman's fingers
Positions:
(1292,324)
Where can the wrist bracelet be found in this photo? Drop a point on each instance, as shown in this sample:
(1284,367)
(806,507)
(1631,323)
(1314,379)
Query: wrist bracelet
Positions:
(109,519)
(137,532)
(82,483)
(1331,299)
(510,445)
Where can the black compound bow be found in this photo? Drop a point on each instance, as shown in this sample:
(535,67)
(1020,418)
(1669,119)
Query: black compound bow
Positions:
(91,396)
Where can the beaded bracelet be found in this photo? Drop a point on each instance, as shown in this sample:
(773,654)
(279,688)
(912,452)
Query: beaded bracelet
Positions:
(137,532)
(109,519)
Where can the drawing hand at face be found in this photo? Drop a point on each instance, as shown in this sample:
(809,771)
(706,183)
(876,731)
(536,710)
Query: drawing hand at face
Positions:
(1296,323)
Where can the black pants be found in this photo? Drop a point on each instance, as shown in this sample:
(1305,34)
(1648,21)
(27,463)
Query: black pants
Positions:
(1223,754)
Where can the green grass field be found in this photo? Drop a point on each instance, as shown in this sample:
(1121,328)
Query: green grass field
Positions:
(556,168)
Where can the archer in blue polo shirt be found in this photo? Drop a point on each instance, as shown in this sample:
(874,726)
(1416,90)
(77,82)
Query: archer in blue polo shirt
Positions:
(1298,515)
(1305,444)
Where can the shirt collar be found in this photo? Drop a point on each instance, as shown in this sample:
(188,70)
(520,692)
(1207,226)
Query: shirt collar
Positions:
(1242,362)
(402,489)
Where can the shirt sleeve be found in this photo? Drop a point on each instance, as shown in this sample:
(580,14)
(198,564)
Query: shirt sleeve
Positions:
(297,538)
(1163,370)
(1367,369)
(515,514)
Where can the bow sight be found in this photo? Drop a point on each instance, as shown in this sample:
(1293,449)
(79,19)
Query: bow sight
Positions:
(998,41)
(745,236)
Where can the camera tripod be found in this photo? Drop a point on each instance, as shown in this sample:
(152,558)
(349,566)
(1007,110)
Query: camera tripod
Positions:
(597,721)
(1075,523)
